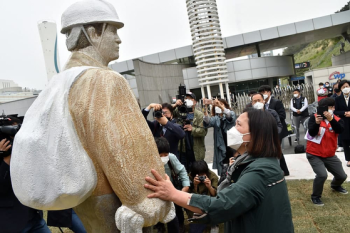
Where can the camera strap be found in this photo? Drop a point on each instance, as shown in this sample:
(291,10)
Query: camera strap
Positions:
(175,177)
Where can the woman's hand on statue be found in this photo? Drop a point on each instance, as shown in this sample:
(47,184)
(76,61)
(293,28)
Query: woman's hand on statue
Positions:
(162,188)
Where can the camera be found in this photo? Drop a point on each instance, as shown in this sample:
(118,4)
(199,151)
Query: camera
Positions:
(202,178)
(7,131)
(183,110)
(158,114)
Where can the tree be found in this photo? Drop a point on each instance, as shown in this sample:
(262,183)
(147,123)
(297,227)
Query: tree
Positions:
(344,8)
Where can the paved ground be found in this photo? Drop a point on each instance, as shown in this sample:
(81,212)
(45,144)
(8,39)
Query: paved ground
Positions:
(298,165)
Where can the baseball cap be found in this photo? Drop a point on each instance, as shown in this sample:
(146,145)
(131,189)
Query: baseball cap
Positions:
(193,96)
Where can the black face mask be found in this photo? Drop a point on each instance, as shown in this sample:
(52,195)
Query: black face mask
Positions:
(337,90)
(169,118)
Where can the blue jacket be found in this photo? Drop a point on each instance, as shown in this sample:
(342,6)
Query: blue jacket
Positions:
(174,133)
(179,169)
(219,143)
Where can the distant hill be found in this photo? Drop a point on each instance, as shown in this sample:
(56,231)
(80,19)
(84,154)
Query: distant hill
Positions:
(318,53)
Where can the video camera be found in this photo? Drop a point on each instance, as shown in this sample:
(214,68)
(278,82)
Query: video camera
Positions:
(183,110)
(7,131)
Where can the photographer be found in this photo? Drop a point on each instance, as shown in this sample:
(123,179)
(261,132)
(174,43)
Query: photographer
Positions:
(320,149)
(164,125)
(14,217)
(203,182)
(192,122)
(222,119)
(179,178)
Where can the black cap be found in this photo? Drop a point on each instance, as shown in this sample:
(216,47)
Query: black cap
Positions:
(193,96)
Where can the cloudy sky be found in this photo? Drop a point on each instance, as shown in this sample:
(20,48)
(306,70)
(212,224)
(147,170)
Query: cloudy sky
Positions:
(150,26)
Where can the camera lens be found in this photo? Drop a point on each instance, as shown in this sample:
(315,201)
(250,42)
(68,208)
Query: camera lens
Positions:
(158,114)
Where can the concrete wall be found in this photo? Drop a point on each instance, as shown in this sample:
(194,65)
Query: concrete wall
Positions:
(132,83)
(157,83)
(327,75)
(341,59)
(19,107)
(248,69)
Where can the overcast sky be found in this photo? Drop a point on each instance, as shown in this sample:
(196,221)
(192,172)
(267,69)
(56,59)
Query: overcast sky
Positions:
(150,26)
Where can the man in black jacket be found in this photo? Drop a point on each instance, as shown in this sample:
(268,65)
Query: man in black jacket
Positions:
(342,110)
(165,126)
(259,103)
(277,105)
(15,217)
(299,107)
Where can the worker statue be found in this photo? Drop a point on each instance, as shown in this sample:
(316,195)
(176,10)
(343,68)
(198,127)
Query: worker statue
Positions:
(84,142)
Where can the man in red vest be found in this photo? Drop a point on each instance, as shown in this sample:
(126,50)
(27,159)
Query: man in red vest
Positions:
(320,150)
(322,92)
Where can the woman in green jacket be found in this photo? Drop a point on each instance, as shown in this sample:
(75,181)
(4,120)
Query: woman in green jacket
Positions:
(257,199)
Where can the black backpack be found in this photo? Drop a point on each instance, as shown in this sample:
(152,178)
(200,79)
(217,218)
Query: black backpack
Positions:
(299,149)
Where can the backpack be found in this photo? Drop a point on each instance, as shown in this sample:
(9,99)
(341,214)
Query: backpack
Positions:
(50,169)
(299,149)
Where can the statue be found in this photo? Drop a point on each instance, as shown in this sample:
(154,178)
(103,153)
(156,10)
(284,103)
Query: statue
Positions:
(84,142)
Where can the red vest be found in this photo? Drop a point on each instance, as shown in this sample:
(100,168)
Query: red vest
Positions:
(329,142)
(321,97)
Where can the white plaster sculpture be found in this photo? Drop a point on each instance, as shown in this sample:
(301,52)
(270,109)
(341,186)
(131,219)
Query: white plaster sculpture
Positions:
(84,141)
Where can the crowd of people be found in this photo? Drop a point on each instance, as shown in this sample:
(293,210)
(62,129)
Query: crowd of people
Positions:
(239,153)
(247,155)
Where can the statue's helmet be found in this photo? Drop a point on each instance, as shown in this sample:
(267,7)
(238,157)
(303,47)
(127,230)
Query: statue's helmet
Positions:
(89,12)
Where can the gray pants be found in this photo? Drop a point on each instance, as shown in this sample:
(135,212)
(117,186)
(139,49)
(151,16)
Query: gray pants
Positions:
(320,166)
(297,120)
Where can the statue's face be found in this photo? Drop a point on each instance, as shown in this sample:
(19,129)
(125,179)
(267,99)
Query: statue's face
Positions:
(109,46)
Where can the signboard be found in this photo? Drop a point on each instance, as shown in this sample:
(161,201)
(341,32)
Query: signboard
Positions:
(297,78)
(336,75)
(302,65)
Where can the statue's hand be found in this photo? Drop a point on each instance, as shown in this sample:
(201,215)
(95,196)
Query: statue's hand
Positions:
(145,214)
(128,221)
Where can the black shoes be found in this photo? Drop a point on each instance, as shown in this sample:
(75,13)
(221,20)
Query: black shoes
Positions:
(317,201)
(340,189)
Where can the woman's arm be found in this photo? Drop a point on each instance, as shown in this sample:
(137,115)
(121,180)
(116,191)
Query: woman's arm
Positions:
(229,203)
(165,190)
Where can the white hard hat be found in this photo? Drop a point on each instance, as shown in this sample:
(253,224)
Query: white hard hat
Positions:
(89,11)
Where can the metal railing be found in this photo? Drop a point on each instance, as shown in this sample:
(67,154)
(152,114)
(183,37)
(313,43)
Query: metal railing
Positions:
(284,94)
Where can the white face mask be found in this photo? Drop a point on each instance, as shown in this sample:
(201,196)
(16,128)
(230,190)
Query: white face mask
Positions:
(189,103)
(265,96)
(346,90)
(296,95)
(327,85)
(235,138)
(330,111)
(321,87)
(165,159)
(218,110)
(258,105)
